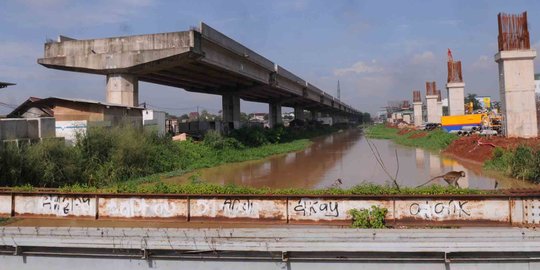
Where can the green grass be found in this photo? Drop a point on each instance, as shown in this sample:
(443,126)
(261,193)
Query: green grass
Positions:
(521,163)
(104,157)
(435,140)
(204,156)
(207,188)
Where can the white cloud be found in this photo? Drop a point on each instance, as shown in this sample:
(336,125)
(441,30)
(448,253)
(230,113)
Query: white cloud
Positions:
(358,68)
(483,62)
(423,58)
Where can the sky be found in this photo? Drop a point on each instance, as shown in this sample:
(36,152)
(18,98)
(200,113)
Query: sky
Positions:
(380,51)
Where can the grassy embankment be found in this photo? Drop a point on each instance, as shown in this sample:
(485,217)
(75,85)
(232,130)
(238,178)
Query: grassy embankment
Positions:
(106,157)
(521,162)
(432,140)
(119,160)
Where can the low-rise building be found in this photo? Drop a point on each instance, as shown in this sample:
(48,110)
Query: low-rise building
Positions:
(75,115)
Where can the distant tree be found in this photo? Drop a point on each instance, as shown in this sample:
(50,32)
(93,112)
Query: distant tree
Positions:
(366,118)
(243,117)
(184,117)
(472,98)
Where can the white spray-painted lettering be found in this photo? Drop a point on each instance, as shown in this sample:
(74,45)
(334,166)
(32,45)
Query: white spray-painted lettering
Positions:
(135,207)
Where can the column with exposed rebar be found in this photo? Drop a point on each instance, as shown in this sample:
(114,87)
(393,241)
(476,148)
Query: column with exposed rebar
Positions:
(431,103)
(516,76)
(455,87)
(439,105)
(417,108)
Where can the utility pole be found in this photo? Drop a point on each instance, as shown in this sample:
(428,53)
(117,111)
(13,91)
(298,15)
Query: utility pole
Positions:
(338,91)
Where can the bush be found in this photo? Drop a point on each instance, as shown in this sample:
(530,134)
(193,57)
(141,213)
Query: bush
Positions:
(214,139)
(369,218)
(522,162)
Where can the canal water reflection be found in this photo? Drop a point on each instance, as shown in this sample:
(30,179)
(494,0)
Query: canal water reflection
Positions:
(347,156)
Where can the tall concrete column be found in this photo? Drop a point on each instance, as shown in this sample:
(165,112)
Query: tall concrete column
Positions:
(315,115)
(274,115)
(456,98)
(439,110)
(417,109)
(299,113)
(231,111)
(123,89)
(516,88)
(432,114)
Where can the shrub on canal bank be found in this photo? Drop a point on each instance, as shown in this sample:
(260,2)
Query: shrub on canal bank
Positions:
(431,140)
(522,162)
(108,156)
(257,136)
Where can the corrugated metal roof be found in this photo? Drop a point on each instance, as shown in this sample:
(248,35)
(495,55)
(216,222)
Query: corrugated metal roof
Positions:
(92,102)
(34,100)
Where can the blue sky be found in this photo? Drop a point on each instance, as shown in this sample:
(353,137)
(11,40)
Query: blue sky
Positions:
(379,50)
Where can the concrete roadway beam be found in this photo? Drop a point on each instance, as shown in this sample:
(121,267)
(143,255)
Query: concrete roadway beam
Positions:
(170,58)
(118,54)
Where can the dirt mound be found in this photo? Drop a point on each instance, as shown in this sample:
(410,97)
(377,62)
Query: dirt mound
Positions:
(480,149)
(419,135)
(404,131)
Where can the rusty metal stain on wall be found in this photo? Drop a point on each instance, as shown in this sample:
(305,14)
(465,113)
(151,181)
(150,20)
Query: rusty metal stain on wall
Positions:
(436,210)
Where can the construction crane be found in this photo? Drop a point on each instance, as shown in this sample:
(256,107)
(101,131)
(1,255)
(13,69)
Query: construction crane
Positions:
(450,58)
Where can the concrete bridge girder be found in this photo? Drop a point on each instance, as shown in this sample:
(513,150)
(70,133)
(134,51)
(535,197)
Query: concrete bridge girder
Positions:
(202,60)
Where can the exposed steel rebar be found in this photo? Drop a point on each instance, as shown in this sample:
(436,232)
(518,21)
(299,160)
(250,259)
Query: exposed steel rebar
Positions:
(513,32)
(417,96)
(431,88)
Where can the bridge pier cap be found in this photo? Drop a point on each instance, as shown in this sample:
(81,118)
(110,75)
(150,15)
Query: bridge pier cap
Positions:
(199,60)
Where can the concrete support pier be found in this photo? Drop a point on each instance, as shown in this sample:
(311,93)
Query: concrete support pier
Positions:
(432,114)
(456,98)
(123,89)
(516,88)
(274,114)
(315,115)
(417,109)
(299,113)
(231,111)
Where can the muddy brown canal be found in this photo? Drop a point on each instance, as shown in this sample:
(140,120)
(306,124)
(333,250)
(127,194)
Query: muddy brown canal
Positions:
(347,156)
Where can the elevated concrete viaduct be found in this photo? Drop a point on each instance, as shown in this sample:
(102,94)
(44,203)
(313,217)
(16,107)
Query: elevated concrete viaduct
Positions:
(199,60)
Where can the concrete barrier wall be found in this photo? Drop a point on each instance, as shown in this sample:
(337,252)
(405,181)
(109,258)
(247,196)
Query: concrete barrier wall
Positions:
(437,210)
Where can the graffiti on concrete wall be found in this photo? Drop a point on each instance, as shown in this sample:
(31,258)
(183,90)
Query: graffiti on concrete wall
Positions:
(144,208)
(430,209)
(441,210)
(55,205)
(308,207)
(238,208)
